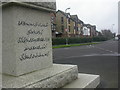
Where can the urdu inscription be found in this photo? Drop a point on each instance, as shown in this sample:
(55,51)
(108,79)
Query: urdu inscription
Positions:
(28,40)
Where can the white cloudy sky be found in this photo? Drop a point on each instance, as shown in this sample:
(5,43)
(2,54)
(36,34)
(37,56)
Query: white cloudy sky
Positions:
(102,13)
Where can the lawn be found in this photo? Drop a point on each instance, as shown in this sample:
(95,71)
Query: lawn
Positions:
(73,45)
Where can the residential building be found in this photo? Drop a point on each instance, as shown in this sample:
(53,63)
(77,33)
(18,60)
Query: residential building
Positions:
(75,18)
(98,33)
(64,24)
(86,30)
(89,30)
(78,25)
(71,26)
(93,31)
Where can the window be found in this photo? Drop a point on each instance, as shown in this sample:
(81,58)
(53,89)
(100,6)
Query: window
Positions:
(52,19)
(69,20)
(69,28)
(77,28)
(52,27)
(62,20)
(62,28)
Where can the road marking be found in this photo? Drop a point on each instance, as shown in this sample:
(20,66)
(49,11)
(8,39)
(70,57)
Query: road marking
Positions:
(66,48)
(103,55)
(105,50)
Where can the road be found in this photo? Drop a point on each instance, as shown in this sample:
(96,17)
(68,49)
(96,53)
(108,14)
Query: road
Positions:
(101,59)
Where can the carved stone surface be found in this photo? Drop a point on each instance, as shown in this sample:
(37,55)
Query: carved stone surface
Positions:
(51,4)
(54,77)
(27,44)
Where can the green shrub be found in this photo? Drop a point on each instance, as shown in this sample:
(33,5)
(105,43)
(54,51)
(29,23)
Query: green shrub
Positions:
(59,41)
(78,40)
(75,40)
(97,39)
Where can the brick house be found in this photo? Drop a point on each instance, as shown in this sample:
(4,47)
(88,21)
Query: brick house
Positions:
(71,26)
(86,30)
(64,24)
(93,31)
(89,30)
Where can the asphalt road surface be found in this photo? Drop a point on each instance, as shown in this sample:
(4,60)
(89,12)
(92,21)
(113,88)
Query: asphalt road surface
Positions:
(100,59)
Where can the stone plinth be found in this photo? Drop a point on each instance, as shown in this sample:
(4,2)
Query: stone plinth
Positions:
(54,77)
(65,76)
(85,81)
(26,41)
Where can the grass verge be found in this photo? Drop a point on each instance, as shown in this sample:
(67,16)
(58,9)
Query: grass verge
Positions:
(73,45)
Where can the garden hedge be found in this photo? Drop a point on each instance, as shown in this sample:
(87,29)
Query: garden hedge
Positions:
(62,41)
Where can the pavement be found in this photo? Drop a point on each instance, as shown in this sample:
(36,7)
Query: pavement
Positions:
(100,59)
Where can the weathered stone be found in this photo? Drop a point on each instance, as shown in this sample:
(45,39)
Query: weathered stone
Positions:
(0,47)
(27,44)
(51,4)
(84,81)
(53,77)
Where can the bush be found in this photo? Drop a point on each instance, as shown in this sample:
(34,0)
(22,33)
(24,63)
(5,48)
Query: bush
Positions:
(97,39)
(62,41)
(78,40)
(59,41)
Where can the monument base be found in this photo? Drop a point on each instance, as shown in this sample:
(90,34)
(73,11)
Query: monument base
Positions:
(54,77)
(65,76)
(85,81)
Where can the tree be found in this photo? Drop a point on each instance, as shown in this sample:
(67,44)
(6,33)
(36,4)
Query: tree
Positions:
(107,33)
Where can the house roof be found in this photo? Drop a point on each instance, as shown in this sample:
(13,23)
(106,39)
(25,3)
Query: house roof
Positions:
(75,17)
(65,14)
(72,17)
(80,21)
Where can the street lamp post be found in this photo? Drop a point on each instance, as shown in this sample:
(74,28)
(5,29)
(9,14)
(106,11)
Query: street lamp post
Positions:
(66,26)
(113,28)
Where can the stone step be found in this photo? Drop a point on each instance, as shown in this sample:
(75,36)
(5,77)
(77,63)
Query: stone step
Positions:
(85,81)
(54,77)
